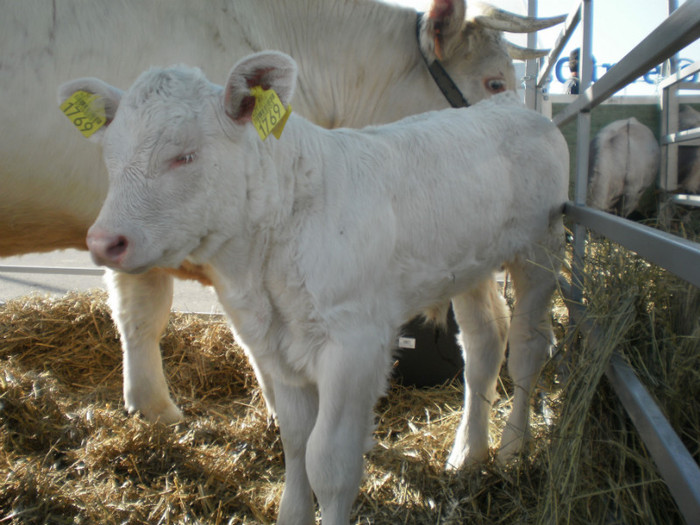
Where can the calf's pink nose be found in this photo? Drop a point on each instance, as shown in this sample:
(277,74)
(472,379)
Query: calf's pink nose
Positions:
(106,248)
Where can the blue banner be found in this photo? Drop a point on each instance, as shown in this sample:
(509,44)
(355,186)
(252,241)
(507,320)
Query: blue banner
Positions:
(653,76)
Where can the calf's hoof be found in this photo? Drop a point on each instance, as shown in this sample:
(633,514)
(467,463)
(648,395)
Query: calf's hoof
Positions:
(512,444)
(459,460)
(165,412)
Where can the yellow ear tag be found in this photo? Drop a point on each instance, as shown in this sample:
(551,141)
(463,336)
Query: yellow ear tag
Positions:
(269,114)
(86,111)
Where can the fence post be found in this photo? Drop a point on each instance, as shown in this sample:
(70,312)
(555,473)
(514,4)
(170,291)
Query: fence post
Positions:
(582,146)
(531,89)
(668,174)
(668,169)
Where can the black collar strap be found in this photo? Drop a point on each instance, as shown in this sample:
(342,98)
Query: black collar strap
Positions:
(440,76)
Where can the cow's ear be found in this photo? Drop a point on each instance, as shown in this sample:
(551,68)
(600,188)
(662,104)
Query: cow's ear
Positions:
(269,70)
(102,103)
(441,28)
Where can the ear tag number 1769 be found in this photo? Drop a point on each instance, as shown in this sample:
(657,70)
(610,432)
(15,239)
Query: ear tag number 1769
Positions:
(86,111)
(269,114)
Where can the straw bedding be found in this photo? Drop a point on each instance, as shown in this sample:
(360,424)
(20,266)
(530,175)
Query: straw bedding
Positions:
(70,454)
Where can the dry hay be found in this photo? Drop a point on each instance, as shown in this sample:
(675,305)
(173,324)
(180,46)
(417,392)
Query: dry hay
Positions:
(70,454)
(600,469)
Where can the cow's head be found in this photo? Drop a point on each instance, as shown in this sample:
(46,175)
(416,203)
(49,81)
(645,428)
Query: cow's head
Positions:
(470,43)
(165,145)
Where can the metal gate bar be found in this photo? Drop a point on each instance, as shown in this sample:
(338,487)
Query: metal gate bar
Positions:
(675,464)
(678,255)
(550,60)
(57,270)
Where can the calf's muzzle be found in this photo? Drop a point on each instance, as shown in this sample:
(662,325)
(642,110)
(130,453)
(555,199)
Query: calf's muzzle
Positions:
(107,249)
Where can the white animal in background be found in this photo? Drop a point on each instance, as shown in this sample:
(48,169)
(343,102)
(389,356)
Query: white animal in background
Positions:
(321,244)
(362,64)
(624,162)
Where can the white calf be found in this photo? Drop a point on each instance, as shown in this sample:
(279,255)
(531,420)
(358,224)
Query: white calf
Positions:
(322,243)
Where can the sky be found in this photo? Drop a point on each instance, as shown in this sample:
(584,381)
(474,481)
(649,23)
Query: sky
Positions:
(618,26)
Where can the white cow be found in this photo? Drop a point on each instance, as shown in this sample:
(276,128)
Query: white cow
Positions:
(624,162)
(361,65)
(322,243)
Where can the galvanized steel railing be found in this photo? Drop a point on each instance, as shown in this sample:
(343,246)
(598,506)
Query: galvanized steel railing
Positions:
(671,136)
(679,256)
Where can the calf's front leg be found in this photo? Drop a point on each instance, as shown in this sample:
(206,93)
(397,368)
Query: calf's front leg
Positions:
(352,379)
(140,307)
(297,408)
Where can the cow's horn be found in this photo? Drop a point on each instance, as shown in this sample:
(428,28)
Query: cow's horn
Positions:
(524,53)
(493,18)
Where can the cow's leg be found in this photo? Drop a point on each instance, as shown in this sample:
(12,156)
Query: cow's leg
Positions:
(350,383)
(296,415)
(529,342)
(482,315)
(140,308)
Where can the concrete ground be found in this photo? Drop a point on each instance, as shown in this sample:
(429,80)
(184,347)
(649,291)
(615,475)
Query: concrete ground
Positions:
(59,272)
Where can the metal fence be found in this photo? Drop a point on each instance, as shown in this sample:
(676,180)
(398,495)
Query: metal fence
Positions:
(681,257)
(671,136)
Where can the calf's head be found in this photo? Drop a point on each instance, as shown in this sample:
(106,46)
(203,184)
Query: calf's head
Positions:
(180,152)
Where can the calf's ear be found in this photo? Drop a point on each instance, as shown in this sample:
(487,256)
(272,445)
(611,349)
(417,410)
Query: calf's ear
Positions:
(269,70)
(441,28)
(103,103)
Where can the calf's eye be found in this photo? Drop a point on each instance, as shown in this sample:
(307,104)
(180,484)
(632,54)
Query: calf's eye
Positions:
(181,160)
